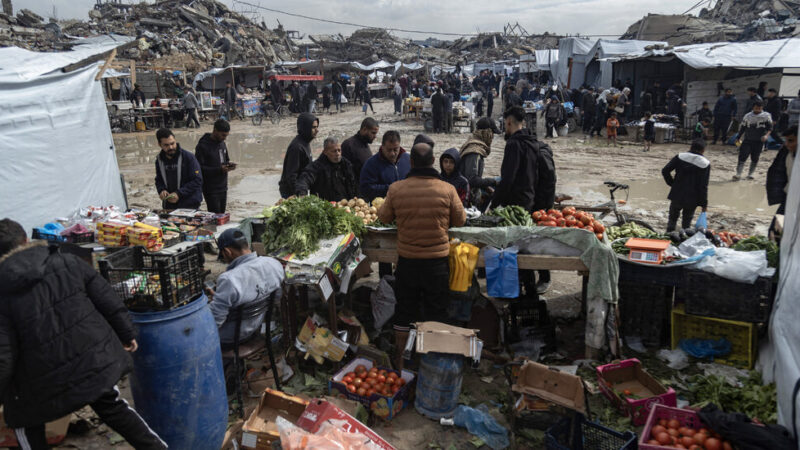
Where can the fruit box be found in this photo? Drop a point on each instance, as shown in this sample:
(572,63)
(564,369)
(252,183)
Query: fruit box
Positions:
(644,390)
(384,407)
(260,430)
(321,411)
(686,417)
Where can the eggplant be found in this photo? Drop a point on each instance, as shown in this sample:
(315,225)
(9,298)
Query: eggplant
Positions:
(716,241)
(683,236)
(675,237)
(710,234)
(689,231)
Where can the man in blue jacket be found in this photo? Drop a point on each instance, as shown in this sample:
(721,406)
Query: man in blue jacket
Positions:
(179,182)
(724,111)
(390,164)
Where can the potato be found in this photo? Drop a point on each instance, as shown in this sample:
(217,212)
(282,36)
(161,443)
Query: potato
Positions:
(351,203)
(360,202)
(342,202)
(373,210)
(347,208)
(360,214)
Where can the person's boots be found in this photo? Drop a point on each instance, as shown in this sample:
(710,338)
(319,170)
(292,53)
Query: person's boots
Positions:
(400,338)
(739,169)
(752,170)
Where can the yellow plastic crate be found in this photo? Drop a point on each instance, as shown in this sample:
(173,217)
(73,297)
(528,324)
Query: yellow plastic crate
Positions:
(742,335)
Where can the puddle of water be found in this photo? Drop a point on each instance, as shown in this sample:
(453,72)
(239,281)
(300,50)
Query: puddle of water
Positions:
(740,196)
(262,189)
(247,149)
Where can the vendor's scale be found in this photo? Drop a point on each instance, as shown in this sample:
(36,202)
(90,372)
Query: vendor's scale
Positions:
(648,251)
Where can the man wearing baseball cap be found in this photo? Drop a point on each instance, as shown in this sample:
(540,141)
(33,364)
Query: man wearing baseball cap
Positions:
(249,278)
(473,153)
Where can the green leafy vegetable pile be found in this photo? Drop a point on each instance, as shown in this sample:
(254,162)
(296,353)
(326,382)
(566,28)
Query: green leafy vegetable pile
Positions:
(754,398)
(755,243)
(298,224)
(512,215)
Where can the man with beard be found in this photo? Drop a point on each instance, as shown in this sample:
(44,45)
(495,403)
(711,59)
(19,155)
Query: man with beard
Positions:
(298,154)
(356,148)
(212,155)
(473,154)
(330,177)
(179,182)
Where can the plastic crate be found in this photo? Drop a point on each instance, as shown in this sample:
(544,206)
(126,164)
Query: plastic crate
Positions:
(644,311)
(686,417)
(650,274)
(80,238)
(706,294)
(529,313)
(50,237)
(152,282)
(586,435)
(742,336)
(484,221)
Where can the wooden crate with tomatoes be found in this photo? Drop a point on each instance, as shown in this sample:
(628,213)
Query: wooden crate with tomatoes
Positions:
(569,217)
(383,391)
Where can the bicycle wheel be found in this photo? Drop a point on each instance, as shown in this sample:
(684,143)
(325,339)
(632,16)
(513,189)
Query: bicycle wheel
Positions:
(257,119)
(275,118)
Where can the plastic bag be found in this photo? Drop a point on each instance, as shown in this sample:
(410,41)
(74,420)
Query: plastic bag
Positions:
(463,259)
(702,221)
(706,348)
(479,422)
(744,267)
(330,436)
(502,274)
(676,359)
(383,301)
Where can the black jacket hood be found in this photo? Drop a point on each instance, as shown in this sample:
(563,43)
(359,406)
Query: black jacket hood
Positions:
(304,123)
(522,135)
(23,267)
(453,153)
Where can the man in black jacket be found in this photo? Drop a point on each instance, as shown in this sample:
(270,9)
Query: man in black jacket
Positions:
(519,169)
(588,106)
(64,338)
(473,154)
(689,186)
(780,170)
(276,93)
(330,177)
(356,148)
(752,98)
(212,154)
(229,96)
(773,105)
(298,154)
(311,97)
(437,109)
(179,182)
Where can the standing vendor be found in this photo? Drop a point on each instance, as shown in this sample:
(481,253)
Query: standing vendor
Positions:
(212,154)
(390,164)
(298,154)
(178,179)
(689,186)
(425,207)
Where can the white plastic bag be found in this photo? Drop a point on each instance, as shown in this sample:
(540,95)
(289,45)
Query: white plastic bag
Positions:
(743,267)
(383,301)
(676,359)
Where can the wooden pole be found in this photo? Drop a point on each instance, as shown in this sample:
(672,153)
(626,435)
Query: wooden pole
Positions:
(106,64)
(133,72)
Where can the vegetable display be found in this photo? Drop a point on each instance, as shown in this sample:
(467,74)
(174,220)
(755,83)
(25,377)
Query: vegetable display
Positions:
(512,215)
(569,217)
(630,230)
(361,209)
(670,434)
(753,398)
(298,224)
(760,243)
(365,383)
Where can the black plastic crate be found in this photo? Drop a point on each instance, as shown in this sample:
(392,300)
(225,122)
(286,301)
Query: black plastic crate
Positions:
(586,435)
(645,311)
(36,234)
(485,221)
(650,273)
(80,238)
(706,294)
(152,282)
(527,318)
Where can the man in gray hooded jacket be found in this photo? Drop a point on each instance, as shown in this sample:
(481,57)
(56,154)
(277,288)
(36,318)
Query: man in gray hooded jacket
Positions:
(249,278)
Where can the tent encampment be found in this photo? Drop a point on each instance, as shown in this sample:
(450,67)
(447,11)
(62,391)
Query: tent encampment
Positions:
(58,154)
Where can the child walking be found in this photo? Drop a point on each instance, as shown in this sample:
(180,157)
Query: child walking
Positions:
(649,131)
(611,128)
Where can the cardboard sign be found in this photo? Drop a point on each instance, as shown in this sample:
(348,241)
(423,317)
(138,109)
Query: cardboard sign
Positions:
(319,412)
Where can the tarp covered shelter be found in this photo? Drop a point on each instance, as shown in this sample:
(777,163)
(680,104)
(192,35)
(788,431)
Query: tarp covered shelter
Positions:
(599,71)
(217,77)
(58,151)
(546,60)
(576,51)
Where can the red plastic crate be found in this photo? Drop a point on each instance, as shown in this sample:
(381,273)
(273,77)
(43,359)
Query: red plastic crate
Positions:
(631,370)
(686,417)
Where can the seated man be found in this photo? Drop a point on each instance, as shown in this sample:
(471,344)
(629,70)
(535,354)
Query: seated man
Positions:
(330,177)
(248,279)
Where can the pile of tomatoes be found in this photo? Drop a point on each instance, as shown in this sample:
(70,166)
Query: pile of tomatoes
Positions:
(670,434)
(569,217)
(373,381)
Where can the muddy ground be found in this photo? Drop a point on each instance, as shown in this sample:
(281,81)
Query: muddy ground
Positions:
(582,165)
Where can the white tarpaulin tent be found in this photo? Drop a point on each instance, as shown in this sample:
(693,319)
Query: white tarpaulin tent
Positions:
(546,60)
(599,72)
(779,53)
(58,154)
(576,49)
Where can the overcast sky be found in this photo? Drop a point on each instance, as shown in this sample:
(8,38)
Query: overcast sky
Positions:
(457,16)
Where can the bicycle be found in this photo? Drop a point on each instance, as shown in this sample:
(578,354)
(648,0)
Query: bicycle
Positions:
(604,209)
(275,116)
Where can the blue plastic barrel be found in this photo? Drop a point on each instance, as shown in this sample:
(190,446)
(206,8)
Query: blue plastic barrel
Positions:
(439,384)
(177,381)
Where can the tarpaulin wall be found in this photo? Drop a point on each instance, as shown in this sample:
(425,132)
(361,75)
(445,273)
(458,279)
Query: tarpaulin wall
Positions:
(57,153)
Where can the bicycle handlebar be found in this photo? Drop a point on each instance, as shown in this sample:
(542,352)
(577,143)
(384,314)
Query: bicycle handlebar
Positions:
(615,186)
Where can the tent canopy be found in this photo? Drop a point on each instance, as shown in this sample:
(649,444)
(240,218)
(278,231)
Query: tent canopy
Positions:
(58,148)
(778,53)
(606,48)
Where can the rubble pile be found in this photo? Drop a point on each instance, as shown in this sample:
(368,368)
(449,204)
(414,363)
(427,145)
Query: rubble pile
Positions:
(727,21)
(488,47)
(195,35)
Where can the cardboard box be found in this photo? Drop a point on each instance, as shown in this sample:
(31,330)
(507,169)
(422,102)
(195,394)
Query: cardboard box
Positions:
(319,411)
(551,385)
(55,431)
(386,408)
(320,343)
(442,338)
(645,391)
(324,267)
(260,430)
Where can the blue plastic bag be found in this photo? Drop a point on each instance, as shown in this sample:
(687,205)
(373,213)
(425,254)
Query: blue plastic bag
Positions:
(702,221)
(706,348)
(502,274)
(479,422)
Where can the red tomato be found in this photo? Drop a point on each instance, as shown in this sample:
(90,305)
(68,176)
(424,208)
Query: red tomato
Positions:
(351,388)
(390,381)
(586,220)
(347,379)
(700,438)
(579,225)
(599,227)
(362,374)
(395,388)
(401,382)
(372,375)
(537,215)
(653,442)
(351,374)
(663,422)
(673,423)
(687,441)
(372,381)
(664,439)
(561,222)
(658,429)
(360,368)
(726,445)
(551,211)
(361,391)
(381,378)
(599,236)
(589,228)
(673,432)
(382,372)
(391,375)
(357,381)
(713,444)
(370,391)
